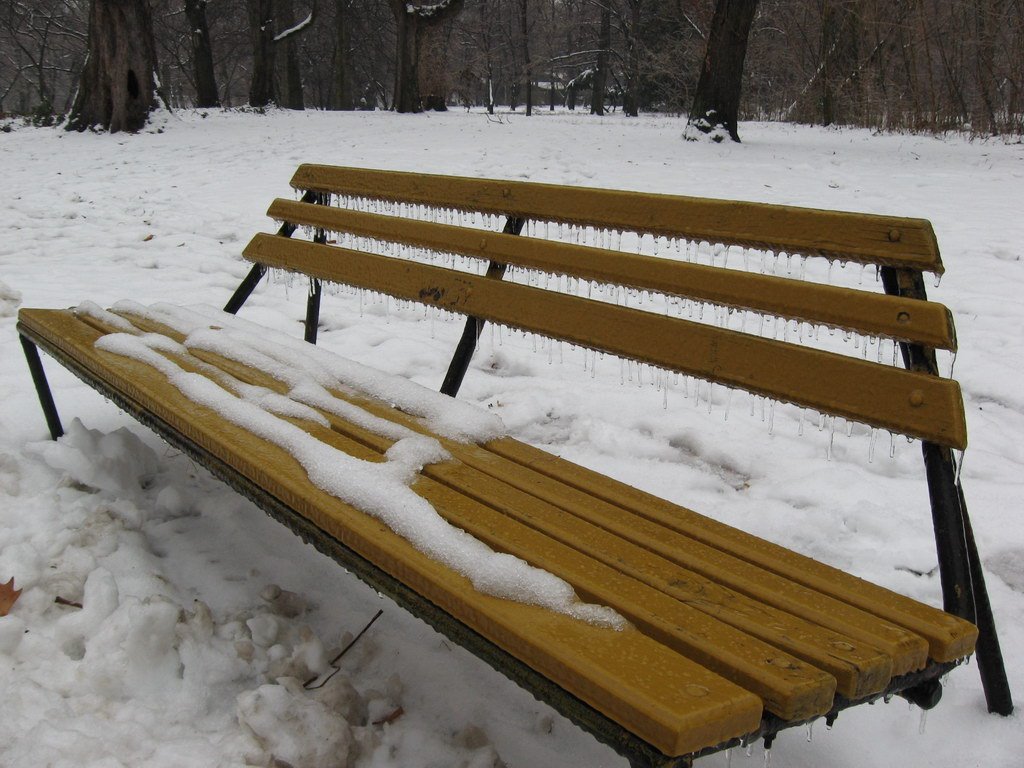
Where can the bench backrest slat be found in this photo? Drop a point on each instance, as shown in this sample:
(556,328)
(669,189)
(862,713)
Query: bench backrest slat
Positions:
(864,238)
(873,314)
(910,403)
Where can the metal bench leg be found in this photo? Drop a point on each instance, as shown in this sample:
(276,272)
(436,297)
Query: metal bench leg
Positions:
(312,310)
(35,367)
(251,280)
(963,582)
(990,655)
(474,326)
(245,289)
(313,300)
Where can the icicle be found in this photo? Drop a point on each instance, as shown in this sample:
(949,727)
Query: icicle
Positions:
(831,440)
(871,444)
(771,417)
(923,723)
(892,445)
(937,280)
(810,731)
(800,427)
(958,461)
(767,758)
(728,402)
(728,758)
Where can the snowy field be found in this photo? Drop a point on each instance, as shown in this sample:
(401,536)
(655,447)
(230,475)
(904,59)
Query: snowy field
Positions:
(174,657)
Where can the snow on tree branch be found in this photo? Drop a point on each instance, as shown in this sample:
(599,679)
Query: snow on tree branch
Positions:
(296,29)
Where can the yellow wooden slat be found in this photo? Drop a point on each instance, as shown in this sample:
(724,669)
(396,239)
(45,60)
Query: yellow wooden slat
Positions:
(496,512)
(909,403)
(858,237)
(667,700)
(949,637)
(874,314)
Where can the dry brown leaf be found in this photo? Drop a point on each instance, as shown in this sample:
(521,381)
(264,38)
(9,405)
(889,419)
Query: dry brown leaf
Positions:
(147,238)
(8,597)
(391,717)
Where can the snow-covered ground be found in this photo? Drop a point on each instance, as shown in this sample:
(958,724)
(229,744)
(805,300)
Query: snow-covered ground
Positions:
(174,657)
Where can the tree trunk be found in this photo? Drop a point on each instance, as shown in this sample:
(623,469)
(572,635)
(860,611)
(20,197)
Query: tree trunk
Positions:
(412,22)
(291,77)
(631,103)
(407,78)
(117,90)
(604,42)
(433,67)
(343,98)
(202,54)
(261,23)
(716,104)
(487,46)
(524,32)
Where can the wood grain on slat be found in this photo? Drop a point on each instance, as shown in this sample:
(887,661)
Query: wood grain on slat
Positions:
(669,701)
(949,637)
(859,667)
(910,403)
(874,314)
(708,624)
(731,557)
(865,238)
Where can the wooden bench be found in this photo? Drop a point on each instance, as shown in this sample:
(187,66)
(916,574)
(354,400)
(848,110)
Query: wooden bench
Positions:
(729,638)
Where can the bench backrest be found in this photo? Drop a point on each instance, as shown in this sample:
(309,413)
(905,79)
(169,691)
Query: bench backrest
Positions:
(378,209)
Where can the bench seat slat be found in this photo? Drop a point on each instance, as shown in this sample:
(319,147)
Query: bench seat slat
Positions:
(874,314)
(669,701)
(865,238)
(910,403)
(860,668)
(949,637)
(477,503)
(527,500)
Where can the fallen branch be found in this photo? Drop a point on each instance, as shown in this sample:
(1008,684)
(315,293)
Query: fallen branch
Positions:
(308,685)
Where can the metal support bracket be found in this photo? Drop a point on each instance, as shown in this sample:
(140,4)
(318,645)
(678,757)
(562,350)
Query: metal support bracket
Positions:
(35,367)
(964,593)
(474,326)
(313,300)
(251,280)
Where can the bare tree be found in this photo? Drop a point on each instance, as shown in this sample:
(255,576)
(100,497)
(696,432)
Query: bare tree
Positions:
(414,22)
(117,90)
(202,54)
(604,44)
(261,22)
(343,97)
(716,104)
(42,48)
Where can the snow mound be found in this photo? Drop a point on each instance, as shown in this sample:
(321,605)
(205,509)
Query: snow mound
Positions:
(112,462)
(10,300)
(295,728)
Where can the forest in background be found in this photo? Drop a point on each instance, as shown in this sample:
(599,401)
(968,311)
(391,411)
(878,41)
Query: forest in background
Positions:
(918,65)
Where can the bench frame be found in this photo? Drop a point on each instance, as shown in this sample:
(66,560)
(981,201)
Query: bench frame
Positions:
(962,579)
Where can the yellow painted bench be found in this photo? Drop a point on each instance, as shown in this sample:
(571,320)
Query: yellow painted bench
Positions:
(729,638)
